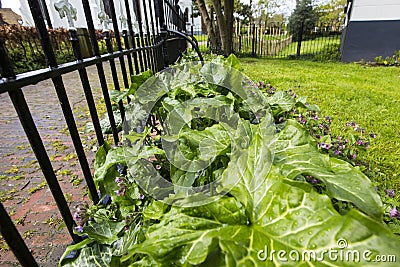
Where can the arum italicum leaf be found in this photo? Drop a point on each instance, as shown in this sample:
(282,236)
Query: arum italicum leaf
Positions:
(266,213)
(92,255)
(295,154)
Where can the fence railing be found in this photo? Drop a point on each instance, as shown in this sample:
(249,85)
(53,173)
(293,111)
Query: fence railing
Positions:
(153,46)
(322,42)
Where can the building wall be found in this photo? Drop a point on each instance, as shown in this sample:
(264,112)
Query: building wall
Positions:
(373,30)
(367,10)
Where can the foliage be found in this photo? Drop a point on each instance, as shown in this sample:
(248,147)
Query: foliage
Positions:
(257,152)
(389,61)
(117,96)
(348,93)
(265,11)
(23,46)
(331,12)
(303,19)
(243,10)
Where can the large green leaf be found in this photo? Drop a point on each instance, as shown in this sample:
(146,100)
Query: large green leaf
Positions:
(94,255)
(274,213)
(105,232)
(295,154)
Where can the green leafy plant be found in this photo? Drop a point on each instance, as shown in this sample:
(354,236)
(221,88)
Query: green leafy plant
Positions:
(259,155)
(388,61)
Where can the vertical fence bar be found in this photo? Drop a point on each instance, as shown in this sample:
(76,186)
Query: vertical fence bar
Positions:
(148,41)
(154,40)
(86,87)
(100,69)
(125,36)
(136,38)
(163,29)
(62,96)
(36,143)
(141,34)
(299,39)
(119,45)
(132,36)
(14,240)
(158,36)
(114,71)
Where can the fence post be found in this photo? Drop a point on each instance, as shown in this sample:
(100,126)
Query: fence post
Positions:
(254,40)
(240,37)
(163,29)
(300,39)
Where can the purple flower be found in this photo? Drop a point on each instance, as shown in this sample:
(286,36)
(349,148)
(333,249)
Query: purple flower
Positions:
(141,196)
(339,138)
(390,192)
(118,180)
(360,142)
(118,193)
(328,119)
(303,121)
(337,152)
(354,156)
(325,146)
(315,117)
(321,126)
(394,213)
(314,181)
(158,167)
(79,228)
(76,216)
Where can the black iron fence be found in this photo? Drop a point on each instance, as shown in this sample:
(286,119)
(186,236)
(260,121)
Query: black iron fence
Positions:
(158,41)
(322,42)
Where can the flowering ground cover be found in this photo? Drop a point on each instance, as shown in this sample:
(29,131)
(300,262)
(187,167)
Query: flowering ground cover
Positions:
(366,97)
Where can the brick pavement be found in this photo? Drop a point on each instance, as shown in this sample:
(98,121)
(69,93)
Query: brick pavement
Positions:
(23,191)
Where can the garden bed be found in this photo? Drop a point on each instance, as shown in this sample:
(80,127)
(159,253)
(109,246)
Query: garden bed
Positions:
(224,172)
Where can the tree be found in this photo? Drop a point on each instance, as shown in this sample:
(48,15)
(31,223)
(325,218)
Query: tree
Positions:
(243,10)
(222,27)
(303,19)
(265,10)
(331,12)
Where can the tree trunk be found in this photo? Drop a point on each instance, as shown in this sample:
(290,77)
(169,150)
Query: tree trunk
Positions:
(221,22)
(209,25)
(228,10)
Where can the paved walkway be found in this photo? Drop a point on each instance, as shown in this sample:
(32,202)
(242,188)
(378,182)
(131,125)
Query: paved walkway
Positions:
(23,190)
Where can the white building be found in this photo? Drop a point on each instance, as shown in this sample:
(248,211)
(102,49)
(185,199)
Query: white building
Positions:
(372,29)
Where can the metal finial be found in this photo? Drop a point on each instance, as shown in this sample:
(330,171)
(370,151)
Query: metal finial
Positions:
(65,9)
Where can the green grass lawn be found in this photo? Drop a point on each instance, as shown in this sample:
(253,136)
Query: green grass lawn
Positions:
(311,46)
(346,92)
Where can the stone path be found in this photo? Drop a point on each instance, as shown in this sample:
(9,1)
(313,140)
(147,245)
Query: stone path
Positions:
(23,190)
